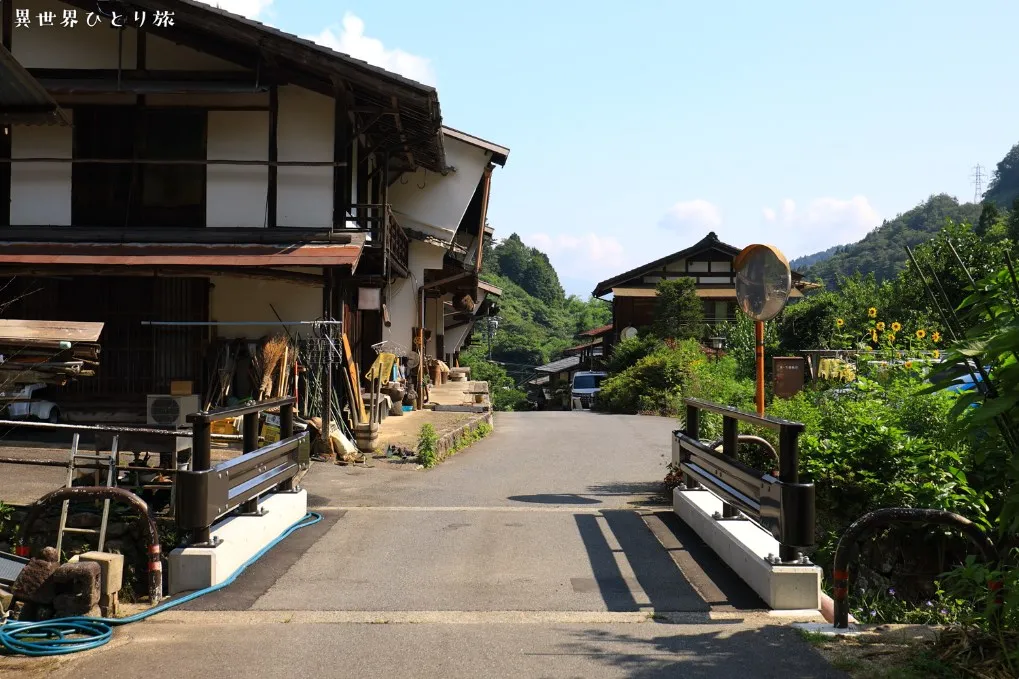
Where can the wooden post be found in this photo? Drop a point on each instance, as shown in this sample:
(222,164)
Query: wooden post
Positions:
(271,208)
(421,353)
(759,332)
(327,368)
(6,33)
(484,216)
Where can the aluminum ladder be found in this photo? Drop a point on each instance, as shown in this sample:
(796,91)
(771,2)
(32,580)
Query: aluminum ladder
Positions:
(110,463)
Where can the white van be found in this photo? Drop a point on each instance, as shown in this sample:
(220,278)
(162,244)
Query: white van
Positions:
(585,385)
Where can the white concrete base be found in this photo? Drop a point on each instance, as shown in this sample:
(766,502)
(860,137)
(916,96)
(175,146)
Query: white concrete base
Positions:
(744,546)
(242,537)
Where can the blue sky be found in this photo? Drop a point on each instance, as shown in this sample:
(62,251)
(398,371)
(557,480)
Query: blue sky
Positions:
(635,131)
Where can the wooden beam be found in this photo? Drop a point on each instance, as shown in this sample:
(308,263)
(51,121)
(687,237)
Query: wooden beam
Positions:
(484,216)
(141,58)
(262,273)
(239,77)
(6,31)
(272,196)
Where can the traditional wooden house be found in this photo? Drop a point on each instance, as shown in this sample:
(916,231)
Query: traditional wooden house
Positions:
(709,262)
(185,175)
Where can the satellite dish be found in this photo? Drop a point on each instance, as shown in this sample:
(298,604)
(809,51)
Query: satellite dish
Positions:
(763,281)
(629,332)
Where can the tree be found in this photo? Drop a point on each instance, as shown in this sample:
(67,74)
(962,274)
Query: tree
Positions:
(679,313)
(988,217)
(1012,223)
(1004,186)
(541,280)
(512,258)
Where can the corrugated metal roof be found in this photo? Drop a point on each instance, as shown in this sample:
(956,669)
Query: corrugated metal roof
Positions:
(595,332)
(560,365)
(22,99)
(180,254)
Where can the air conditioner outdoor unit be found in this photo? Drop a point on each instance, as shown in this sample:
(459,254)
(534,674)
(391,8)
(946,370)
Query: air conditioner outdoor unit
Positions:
(171,411)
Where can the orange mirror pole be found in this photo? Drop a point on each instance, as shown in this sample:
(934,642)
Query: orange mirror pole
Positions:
(759,332)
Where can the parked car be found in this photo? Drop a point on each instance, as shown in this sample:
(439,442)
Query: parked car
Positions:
(584,388)
(33,409)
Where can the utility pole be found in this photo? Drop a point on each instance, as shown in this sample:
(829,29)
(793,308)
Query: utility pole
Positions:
(978,183)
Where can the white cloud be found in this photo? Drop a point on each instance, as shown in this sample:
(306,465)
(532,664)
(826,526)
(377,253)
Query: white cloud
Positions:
(248,8)
(823,223)
(350,39)
(696,216)
(588,257)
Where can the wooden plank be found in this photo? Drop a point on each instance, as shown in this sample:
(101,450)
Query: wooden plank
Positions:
(354,381)
(49,330)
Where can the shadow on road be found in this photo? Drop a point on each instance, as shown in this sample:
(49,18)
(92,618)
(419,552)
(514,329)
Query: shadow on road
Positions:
(673,568)
(654,573)
(555,499)
(763,653)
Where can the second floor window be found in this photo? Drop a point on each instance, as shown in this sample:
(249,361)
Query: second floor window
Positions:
(139,194)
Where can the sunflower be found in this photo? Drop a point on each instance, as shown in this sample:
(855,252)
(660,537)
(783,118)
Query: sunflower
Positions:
(896,326)
(921,333)
(839,322)
(936,354)
(881,326)
(873,335)
(872,312)
(909,365)
(890,337)
(936,337)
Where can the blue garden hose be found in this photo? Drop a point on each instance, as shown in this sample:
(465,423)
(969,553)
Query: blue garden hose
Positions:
(80,633)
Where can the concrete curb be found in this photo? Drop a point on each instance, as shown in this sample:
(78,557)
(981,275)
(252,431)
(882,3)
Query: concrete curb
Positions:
(446,443)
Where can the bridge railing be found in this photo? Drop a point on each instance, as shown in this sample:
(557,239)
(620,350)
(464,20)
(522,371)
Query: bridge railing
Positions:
(781,505)
(206,492)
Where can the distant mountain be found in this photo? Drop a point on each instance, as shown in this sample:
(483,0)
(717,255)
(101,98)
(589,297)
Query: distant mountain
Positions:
(801,263)
(882,251)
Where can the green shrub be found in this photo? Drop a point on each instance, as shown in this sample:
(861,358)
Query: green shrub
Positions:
(654,384)
(427,440)
(629,351)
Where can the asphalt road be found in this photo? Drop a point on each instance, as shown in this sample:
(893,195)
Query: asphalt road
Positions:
(542,551)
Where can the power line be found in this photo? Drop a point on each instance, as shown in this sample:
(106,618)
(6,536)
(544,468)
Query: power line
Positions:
(978,183)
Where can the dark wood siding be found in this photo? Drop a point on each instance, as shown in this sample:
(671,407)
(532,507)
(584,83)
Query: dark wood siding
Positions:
(135,359)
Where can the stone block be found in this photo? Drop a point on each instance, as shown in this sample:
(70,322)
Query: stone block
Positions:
(35,582)
(108,604)
(111,567)
(77,588)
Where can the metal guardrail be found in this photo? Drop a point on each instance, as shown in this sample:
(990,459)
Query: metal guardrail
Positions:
(783,506)
(206,493)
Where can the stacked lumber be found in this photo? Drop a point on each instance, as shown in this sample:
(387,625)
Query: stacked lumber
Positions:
(47,352)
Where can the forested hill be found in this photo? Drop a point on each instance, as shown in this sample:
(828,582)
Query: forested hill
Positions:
(882,251)
(806,261)
(536,319)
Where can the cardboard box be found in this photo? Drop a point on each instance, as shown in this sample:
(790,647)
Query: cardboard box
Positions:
(181,387)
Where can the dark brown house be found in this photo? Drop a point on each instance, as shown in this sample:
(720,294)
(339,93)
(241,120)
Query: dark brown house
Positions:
(709,262)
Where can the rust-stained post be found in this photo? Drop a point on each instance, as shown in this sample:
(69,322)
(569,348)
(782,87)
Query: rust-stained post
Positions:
(693,430)
(759,333)
(730,448)
(201,459)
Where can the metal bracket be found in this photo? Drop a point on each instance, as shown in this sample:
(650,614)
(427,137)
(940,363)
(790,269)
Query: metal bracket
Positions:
(261,511)
(214,542)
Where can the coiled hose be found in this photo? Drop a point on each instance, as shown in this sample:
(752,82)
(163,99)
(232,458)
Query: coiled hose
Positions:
(70,635)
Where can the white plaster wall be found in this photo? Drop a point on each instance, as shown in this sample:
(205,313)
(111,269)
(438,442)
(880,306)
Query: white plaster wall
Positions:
(247,299)
(80,46)
(236,194)
(164,54)
(403,303)
(438,208)
(305,194)
(41,192)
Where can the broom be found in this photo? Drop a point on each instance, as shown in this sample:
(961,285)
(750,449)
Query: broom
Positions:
(273,351)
